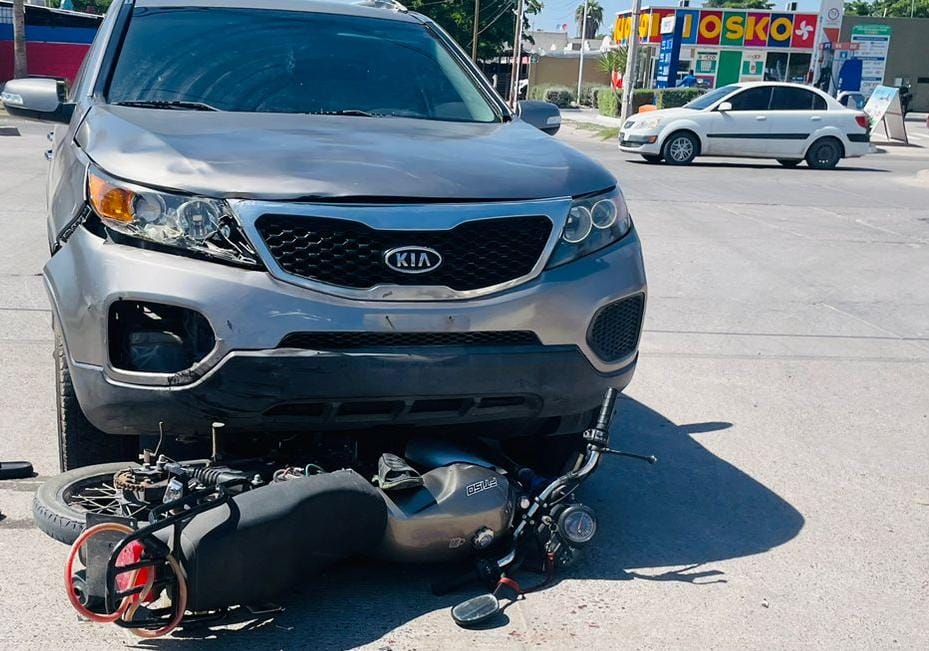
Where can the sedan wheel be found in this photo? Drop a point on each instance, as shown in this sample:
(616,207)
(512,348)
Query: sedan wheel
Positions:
(679,149)
(824,154)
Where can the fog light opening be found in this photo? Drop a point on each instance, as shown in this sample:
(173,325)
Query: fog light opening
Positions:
(155,338)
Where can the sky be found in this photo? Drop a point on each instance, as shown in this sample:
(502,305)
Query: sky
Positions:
(558,12)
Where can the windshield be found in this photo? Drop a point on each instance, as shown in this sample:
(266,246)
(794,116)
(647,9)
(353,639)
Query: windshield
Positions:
(710,98)
(259,60)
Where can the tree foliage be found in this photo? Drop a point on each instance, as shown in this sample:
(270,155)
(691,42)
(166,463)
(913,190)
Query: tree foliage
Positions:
(614,60)
(497,21)
(738,4)
(594,18)
(889,8)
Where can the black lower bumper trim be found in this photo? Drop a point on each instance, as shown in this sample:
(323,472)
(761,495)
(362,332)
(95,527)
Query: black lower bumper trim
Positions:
(288,390)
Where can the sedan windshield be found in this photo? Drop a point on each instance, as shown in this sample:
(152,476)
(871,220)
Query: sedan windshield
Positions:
(257,60)
(710,98)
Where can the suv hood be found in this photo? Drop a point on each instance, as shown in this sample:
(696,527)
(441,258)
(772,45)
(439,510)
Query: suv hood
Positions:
(275,156)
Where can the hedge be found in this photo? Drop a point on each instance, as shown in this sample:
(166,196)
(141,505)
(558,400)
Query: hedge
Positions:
(589,93)
(537,92)
(595,91)
(674,97)
(560,96)
(608,103)
(643,96)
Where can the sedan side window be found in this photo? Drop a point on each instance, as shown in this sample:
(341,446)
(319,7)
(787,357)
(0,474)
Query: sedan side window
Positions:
(752,99)
(787,98)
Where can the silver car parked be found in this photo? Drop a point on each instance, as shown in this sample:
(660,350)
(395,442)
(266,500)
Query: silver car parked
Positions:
(297,216)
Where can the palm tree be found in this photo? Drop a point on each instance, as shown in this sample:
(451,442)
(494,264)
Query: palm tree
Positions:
(19,39)
(594,18)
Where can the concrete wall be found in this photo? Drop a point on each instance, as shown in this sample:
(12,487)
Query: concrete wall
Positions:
(563,71)
(908,56)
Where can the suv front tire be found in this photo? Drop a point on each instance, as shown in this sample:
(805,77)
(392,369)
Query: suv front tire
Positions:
(80,443)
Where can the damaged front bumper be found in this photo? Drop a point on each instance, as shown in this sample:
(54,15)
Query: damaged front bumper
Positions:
(253,381)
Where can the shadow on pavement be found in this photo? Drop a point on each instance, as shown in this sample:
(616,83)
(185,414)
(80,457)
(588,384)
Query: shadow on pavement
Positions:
(762,166)
(691,509)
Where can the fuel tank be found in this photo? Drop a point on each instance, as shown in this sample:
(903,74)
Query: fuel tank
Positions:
(457,505)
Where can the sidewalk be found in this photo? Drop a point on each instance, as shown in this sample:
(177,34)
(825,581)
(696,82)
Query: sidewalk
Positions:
(589,115)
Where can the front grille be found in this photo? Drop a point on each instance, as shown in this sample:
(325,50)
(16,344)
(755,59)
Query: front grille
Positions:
(614,333)
(475,254)
(353,340)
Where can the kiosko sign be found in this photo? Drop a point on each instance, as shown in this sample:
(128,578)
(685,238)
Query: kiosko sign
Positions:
(726,28)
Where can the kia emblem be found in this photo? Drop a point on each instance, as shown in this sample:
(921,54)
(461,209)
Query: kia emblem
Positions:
(412,259)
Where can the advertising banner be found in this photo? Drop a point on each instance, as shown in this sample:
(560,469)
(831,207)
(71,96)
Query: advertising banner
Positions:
(733,28)
(873,42)
(706,63)
(687,20)
(884,106)
(780,31)
(804,31)
(668,54)
(830,18)
(710,27)
(756,29)
(752,66)
(726,28)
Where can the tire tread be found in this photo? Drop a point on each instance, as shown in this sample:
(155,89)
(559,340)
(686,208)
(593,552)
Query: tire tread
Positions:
(79,442)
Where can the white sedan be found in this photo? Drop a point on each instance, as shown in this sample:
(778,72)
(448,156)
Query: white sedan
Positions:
(789,122)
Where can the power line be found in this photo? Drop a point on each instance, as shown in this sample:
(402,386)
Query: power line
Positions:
(496,18)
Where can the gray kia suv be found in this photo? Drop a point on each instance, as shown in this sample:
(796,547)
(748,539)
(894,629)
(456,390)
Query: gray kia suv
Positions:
(296,216)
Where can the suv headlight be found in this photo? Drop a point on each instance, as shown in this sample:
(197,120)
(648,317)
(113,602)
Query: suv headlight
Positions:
(593,223)
(197,224)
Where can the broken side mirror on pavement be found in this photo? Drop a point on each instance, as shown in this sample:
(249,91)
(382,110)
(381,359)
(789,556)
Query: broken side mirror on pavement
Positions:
(476,610)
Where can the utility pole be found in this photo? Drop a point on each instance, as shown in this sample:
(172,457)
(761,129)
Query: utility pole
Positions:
(632,51)
(580,66)
(20,68)
(474,32)
(517,55)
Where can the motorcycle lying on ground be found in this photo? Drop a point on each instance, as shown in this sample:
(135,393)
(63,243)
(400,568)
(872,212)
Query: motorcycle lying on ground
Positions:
(166,544)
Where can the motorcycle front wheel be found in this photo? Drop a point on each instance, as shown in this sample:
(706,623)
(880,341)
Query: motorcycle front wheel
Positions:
(62,503)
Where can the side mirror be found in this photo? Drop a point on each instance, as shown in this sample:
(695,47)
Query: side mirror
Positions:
(37,98)
(724,106)
(476,611)
(542,115)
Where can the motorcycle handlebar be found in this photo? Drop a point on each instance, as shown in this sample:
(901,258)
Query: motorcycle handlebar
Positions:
(606,409)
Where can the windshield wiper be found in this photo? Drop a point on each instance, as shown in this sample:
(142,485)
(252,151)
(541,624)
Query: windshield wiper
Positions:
(356,112)
(174,104)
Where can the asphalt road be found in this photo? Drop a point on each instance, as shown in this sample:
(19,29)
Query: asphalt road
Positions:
(783,382)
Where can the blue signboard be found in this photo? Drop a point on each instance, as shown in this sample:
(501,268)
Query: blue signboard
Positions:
(669,52)
(667,73)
